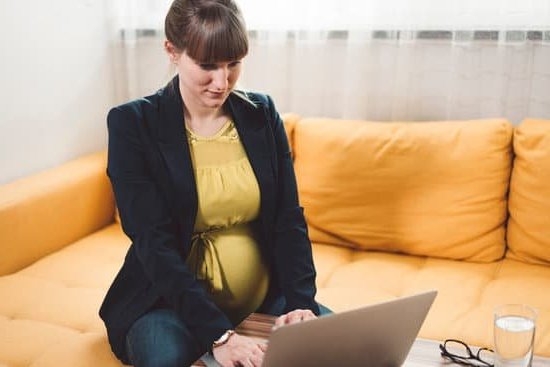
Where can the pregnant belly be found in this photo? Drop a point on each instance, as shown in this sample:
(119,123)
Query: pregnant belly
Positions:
(243,273)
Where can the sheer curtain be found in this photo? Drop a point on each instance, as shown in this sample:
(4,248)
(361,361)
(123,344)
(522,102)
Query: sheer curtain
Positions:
(383,60)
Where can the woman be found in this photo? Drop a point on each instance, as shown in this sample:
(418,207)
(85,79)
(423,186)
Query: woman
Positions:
(204,183)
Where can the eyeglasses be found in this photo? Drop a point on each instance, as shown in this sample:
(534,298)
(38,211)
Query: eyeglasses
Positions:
(459,352)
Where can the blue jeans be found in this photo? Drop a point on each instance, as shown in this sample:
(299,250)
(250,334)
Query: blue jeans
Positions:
(160,339)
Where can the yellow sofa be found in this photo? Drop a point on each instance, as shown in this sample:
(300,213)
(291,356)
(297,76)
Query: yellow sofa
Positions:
(392,208)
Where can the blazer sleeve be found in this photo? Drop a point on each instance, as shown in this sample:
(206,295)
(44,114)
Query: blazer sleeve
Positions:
(293,254)
(147,221)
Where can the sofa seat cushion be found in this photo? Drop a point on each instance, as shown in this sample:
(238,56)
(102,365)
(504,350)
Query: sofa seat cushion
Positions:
(50,317)
(468,291)
(529,221)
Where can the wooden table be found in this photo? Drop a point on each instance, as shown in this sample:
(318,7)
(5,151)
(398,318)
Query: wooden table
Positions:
(424,353)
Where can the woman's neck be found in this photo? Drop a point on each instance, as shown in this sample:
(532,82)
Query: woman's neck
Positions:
(204,121)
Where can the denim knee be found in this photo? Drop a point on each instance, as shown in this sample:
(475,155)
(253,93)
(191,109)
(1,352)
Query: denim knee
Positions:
(161,339)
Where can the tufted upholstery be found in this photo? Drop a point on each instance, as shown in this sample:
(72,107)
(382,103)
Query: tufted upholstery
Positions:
(49,309)
(61,248)
(468,291)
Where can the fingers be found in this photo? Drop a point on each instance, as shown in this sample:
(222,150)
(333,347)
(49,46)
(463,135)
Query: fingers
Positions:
(308,315)
(254,359)
(294,317)
(245,363)
(280,321)
(240,351)
(250,362)
(303,315)
(257,356)
(263,347)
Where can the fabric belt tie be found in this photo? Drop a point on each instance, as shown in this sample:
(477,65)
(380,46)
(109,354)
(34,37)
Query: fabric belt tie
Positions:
(205,260)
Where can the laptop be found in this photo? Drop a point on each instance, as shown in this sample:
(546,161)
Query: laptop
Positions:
(378,335)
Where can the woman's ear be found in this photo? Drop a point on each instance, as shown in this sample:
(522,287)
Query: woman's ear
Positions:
(172,51)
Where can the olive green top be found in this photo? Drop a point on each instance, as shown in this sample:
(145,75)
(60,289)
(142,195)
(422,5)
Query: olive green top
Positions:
(224,254)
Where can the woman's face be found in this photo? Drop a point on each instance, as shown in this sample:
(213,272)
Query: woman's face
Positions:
(206,85)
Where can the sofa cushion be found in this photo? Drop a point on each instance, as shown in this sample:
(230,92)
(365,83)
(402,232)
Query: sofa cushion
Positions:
(468,292)
(42,213)
(49,310)
(529,220)
(422,188)
(290,120)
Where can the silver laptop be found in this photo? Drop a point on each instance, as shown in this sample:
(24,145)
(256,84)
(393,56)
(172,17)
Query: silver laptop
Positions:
(379,335)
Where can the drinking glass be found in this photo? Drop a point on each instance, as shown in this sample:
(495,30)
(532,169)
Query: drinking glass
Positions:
(514,335)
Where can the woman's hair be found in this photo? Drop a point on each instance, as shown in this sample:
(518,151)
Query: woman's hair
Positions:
(207,30)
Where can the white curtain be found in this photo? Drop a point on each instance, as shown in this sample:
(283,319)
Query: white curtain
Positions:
(383,60)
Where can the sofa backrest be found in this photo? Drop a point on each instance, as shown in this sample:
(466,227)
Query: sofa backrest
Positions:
(422,188)
(47,211)
(529,200)
(290,120)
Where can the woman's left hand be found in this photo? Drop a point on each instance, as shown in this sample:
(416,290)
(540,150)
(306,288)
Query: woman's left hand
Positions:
(294,317)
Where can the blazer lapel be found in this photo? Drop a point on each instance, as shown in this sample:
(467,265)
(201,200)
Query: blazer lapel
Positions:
(255,133)
(174,148)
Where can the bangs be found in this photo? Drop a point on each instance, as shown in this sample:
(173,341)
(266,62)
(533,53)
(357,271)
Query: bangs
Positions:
(220,36)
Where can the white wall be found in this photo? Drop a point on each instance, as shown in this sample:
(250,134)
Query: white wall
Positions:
(55,83)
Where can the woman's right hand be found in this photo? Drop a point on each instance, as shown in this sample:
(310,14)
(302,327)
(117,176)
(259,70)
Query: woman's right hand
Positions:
(240,351)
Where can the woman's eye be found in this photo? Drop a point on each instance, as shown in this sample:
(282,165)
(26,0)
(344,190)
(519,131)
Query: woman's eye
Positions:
(214,66)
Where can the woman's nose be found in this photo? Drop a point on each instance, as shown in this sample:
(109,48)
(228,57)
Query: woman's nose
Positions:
(221,78)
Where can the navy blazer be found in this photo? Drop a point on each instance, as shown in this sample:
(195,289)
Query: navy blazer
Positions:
(150,169)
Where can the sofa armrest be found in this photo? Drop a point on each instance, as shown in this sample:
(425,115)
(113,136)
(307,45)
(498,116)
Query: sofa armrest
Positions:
(44,212)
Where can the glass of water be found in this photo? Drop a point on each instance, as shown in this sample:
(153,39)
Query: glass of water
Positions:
(514,333)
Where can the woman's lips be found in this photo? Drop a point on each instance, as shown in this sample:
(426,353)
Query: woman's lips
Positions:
(216,94)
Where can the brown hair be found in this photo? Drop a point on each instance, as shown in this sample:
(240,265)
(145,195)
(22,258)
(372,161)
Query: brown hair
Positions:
(207,30)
